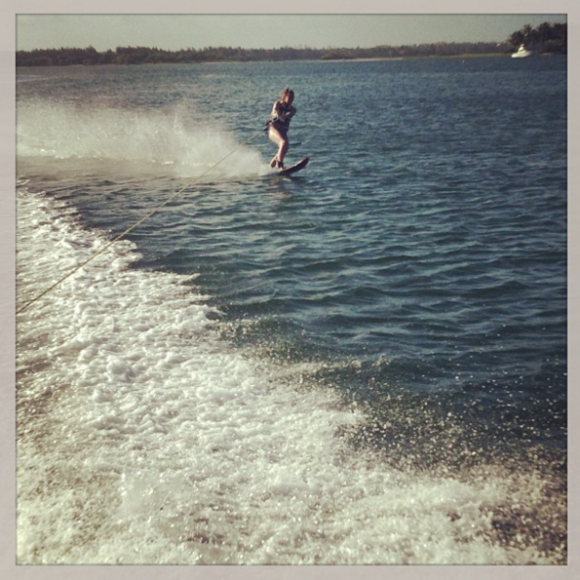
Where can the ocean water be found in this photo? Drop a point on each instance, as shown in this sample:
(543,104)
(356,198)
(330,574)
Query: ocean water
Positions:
(364,363)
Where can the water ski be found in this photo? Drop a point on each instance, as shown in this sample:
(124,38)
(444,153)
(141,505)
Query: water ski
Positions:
(294,168)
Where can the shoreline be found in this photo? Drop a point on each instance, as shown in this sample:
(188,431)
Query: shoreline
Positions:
(330,60)
(321,60)
(288,60)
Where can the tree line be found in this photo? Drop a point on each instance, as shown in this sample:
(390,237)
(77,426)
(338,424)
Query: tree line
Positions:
(546,38)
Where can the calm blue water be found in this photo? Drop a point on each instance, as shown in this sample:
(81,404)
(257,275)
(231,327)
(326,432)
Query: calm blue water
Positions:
(393,316)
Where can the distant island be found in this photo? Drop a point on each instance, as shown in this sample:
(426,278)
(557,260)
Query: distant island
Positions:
(547,38)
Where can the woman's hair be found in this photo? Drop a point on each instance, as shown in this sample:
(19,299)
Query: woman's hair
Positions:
(285,92)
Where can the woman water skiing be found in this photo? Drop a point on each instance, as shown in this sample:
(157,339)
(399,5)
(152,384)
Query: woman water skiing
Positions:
(278,125)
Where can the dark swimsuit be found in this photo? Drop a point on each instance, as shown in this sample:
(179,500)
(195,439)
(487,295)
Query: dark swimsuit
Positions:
(281,124)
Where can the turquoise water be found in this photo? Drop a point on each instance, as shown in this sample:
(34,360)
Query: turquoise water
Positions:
(328,368)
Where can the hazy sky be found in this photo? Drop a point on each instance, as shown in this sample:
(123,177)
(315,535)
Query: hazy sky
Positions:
(174,32)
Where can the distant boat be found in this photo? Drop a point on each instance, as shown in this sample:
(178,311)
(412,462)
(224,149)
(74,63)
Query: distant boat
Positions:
(521,52)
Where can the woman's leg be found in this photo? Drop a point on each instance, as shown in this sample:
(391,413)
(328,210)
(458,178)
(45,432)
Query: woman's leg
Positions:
(281,141)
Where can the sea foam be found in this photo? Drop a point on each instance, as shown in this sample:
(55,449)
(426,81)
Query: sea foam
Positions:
(144,437)
(182,146)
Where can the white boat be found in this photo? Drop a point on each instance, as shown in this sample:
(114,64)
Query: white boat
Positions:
(521,52)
